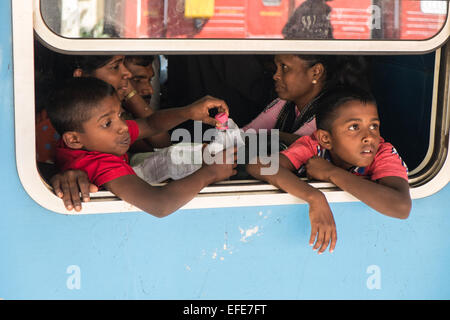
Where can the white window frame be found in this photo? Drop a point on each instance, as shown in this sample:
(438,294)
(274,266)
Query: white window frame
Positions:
(223,46)
(224,194)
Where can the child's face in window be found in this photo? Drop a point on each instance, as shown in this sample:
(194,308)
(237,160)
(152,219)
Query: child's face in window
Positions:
(106,131)
(115,73)
(140,79)
(355,135)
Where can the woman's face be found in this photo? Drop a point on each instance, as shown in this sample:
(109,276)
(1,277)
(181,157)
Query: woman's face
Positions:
(293,78)
(115,73)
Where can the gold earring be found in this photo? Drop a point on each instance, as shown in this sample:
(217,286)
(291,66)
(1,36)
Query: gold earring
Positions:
(314,81)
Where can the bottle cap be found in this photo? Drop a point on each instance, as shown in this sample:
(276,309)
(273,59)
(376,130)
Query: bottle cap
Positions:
(222,118)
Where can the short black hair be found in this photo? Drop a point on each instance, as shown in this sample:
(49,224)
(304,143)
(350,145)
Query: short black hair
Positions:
(332,99)
(71,105)
(340,70)
(143,61)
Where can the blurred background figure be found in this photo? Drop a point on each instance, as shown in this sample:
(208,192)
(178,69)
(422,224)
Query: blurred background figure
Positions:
(311,20)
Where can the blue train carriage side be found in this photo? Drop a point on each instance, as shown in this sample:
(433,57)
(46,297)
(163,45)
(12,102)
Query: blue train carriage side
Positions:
(236,239)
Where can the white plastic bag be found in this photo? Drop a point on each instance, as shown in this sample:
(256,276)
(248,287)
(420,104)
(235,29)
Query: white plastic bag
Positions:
(174,162)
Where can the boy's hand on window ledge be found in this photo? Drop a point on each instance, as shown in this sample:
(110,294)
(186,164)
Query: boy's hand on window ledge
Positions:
(69,184)
(323,227)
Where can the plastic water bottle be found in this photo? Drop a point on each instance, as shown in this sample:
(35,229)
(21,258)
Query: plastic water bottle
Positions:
(227,135)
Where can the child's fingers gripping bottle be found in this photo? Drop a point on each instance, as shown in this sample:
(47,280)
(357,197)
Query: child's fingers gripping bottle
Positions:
(223,119)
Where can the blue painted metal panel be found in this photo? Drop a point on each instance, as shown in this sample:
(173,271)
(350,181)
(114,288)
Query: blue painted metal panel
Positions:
(238,253)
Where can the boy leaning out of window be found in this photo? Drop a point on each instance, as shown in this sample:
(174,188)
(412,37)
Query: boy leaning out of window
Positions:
(348,151)
(95,139)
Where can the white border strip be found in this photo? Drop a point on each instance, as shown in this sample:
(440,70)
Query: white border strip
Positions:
(432,132)
(163,46)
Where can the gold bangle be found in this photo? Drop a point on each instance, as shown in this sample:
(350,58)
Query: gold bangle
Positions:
(130,95)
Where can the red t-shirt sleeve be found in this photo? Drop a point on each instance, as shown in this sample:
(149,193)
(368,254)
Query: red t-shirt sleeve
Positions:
(102,168)
(301,151)
(387,163)
(133,129)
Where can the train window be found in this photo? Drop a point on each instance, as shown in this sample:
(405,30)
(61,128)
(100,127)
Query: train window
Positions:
(240,19)
(184,26)
(412,90)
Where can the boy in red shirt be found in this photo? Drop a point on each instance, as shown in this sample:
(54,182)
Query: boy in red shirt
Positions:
(95,138)
(348,151)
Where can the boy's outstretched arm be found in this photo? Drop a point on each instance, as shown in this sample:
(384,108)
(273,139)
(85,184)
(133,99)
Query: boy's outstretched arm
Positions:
(162,201)
(390,196)
(323,227)
(164,120)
